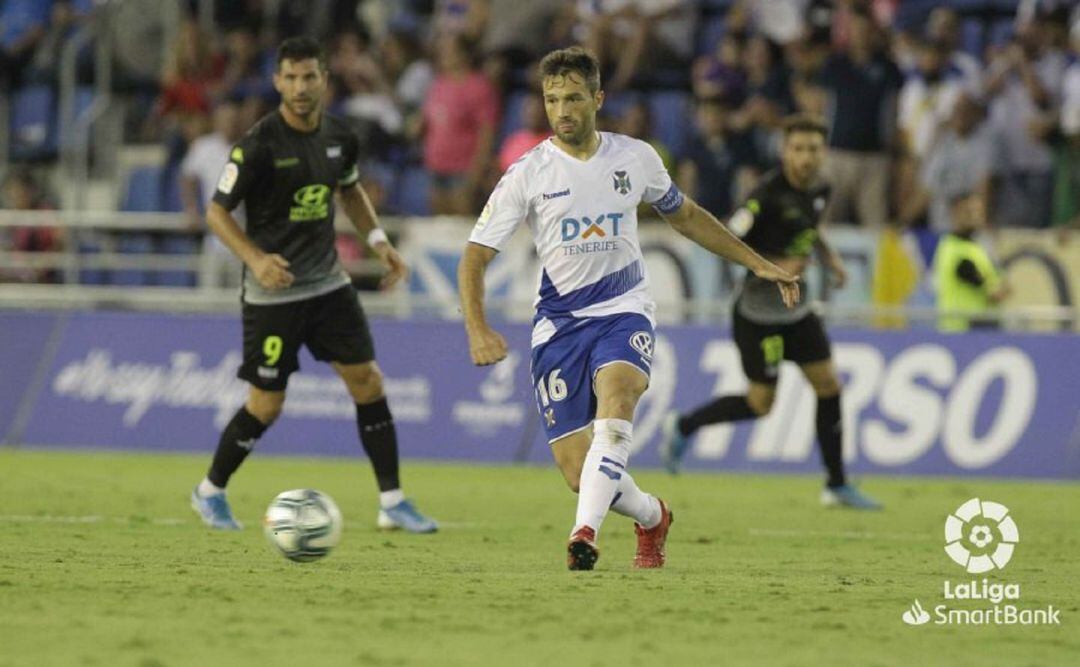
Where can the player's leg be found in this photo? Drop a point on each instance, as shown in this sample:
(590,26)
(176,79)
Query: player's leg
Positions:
(809,347)
(761,350)
(339,334)
(271,343)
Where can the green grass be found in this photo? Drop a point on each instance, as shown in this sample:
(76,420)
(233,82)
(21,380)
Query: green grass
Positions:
(102,563)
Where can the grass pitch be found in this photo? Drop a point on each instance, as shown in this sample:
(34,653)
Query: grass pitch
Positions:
(102,563)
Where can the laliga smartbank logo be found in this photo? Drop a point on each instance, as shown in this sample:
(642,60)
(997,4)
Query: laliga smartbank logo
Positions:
(980,536)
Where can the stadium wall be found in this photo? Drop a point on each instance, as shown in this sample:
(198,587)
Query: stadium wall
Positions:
(981,404)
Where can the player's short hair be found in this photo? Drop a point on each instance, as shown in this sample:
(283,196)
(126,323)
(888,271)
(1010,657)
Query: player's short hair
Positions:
(574,60)
(301,48)
(805,122)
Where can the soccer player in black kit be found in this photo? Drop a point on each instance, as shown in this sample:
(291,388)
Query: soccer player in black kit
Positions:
(286,170)
(780,220)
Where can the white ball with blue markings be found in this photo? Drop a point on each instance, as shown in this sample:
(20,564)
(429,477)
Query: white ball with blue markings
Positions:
(303,524)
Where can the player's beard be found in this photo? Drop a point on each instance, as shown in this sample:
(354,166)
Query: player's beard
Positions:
(575,137)
(312,107)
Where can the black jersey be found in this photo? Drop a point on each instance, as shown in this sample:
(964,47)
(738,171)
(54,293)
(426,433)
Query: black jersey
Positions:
(777,220)
(286,179)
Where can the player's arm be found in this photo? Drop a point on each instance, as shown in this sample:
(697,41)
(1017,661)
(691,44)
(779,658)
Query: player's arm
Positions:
(271,270)
(358,209)
(486,346)
(698,225)
(830,259)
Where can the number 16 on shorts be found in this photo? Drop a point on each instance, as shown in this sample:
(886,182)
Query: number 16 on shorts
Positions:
(550,390)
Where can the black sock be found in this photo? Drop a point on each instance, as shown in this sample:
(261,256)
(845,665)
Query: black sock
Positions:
(723,409)
(237,441)
(830,433)
(379,438)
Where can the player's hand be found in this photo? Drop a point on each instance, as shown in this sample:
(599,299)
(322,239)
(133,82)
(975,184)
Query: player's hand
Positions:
(396,268)
(486,346)
(272,271)
(788,283)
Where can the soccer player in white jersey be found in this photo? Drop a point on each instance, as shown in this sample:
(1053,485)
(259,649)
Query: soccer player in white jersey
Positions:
(592,342)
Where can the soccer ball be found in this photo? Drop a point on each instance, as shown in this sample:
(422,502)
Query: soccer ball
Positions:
(303,524)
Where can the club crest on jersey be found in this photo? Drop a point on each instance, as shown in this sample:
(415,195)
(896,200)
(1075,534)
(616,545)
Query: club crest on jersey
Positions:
(622,182)
(333,152)
(642,342)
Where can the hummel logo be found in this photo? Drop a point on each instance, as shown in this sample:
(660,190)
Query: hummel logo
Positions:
(556,195)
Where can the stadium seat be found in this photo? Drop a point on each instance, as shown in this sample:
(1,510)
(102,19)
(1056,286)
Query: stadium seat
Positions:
(133,244)
(710,34)
(91,246)
(177,244)
(33,123)
(670,113)
(971,37)
(411,197)
(142,190)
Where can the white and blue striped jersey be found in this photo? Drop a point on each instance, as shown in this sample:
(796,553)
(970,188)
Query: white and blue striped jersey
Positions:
(583,219)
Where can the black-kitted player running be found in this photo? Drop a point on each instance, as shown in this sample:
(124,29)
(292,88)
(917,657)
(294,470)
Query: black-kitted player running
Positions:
(286,170)
(780,220)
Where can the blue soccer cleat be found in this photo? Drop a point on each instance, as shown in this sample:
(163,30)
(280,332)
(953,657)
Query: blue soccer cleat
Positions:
(214,511)
(405,516)
(848,496)
(673,444)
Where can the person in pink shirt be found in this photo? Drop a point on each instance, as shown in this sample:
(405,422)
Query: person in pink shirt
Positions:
(459,117)
(533,130)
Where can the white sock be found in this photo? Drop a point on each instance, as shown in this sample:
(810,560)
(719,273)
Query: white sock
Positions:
(633,502)
(604,468)
(388,499)
(208,488)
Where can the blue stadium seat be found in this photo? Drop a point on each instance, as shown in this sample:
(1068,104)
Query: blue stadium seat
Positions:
(710,34)
(971,37)
(133,244)
(411,197)
(671,113)
(91,246)
(142,190)
(511,120)
(177,244)
(33,123)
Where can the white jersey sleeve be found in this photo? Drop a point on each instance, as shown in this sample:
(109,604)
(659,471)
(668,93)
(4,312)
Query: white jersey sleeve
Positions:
(659,190)
(506,209)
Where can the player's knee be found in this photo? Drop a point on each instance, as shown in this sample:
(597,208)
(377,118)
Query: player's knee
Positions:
(827,387)
(266,406)
(366,385)
(761,400)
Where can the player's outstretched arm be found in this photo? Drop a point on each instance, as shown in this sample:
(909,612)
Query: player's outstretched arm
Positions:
(486,346)
(358,209)
(698,225)
(271,270)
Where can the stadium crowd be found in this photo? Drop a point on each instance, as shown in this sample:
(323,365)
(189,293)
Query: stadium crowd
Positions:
(926,101)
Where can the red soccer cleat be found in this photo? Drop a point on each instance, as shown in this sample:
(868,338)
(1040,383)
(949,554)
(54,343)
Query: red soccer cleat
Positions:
(581,552)
(650,543)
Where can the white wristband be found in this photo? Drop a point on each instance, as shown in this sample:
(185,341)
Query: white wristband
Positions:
(377,235)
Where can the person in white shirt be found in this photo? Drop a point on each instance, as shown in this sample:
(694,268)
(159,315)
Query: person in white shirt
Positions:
(199,173)
(592,342)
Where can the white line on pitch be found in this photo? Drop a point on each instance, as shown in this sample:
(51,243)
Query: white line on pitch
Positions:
(90,518)
(848,534)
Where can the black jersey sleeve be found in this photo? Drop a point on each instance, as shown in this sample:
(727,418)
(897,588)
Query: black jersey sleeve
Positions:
(350,153)
(247,165)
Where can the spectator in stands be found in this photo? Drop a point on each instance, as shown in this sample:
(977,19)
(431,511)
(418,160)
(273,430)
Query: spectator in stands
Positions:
(516,35)
(190,74)
(21,192)
(404,64)
(23,25)
(636,121)
(927,98)
(245,67)
(458,125)
(1024,81)
(943,29)
(965,277)
(1066,211)
(199,174)
(717,168)
(534,129)
(65,18)
(366,95)
(720,73)
(462,18)
(622,32)
(861,84)
(962,161)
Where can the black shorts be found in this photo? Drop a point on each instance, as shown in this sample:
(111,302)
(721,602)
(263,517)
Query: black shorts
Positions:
(332,326)
(763,346)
